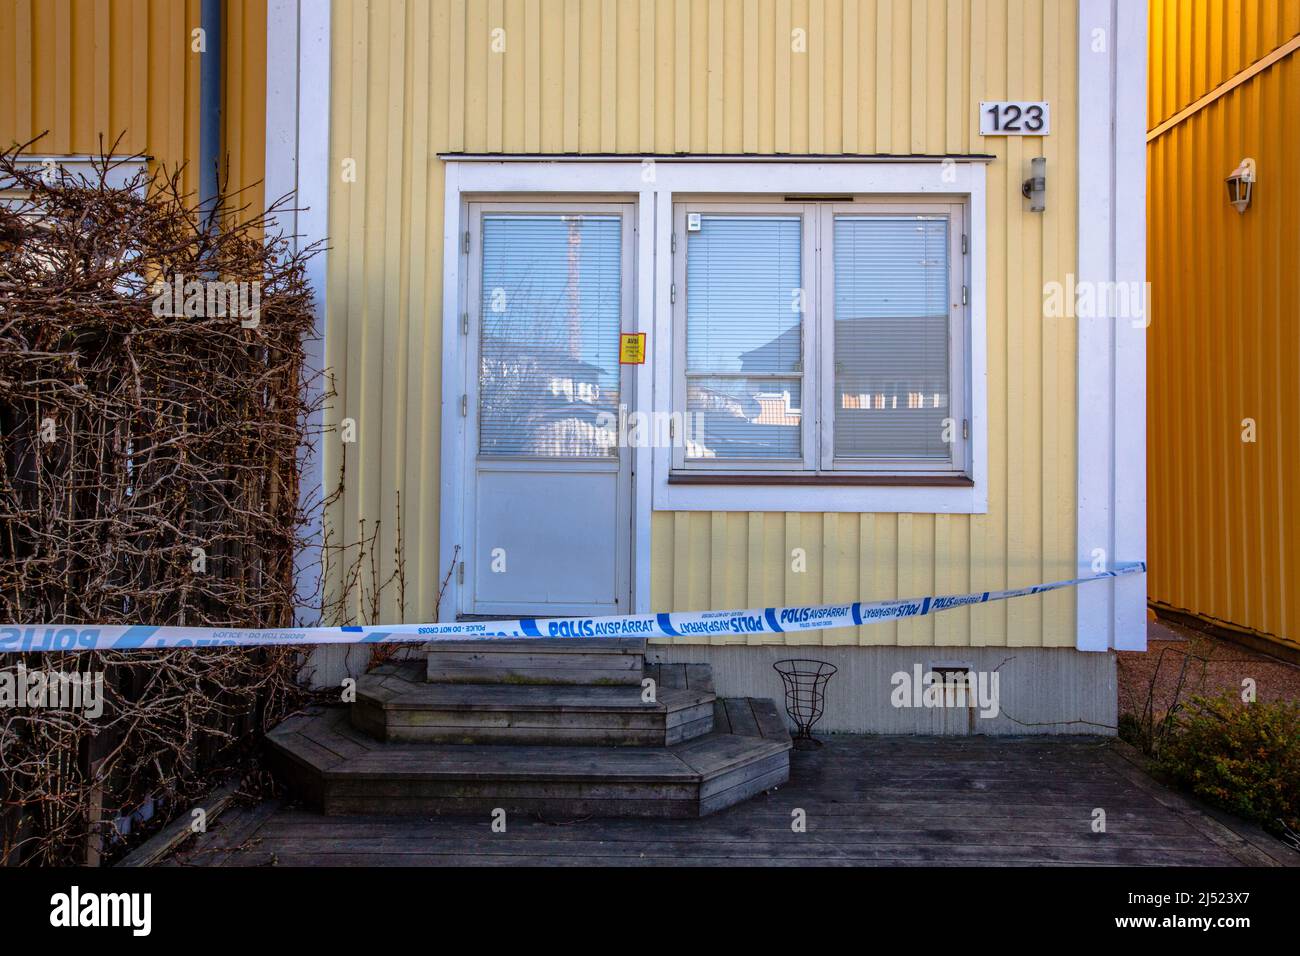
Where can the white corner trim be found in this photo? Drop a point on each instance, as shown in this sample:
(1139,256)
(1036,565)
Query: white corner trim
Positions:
(280,175)
(1112,352)
(297,159)
(1130,611)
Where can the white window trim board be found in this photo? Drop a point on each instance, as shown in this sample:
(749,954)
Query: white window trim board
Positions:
(654,187)
(123,167)
(968,184)
(297,158)
(1111,508)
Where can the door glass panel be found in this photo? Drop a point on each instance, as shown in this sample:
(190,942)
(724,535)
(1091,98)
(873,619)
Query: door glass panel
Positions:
(744,341)
(891,337)
(551,298)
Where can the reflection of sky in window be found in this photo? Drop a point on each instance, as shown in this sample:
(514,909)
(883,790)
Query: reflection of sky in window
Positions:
(741,276)
(536,268)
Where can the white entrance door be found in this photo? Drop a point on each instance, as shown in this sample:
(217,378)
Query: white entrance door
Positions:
(548,504)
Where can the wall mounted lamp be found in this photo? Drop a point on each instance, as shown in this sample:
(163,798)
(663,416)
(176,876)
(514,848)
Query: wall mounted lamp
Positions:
(1241,185)
(1035,187)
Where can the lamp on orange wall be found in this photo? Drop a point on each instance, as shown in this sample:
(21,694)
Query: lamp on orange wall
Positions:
(1241,185)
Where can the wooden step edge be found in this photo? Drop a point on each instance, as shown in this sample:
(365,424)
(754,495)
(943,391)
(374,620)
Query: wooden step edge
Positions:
(655,807)
(685,775)
(505,707)
(759,749)
(542,645)
(679,701)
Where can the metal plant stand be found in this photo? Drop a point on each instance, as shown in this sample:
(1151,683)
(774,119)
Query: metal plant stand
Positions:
(805,695)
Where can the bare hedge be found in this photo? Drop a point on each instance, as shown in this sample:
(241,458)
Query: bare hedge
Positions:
(148,474)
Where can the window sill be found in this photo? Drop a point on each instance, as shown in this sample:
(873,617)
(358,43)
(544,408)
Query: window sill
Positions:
(821,480)
(827,492)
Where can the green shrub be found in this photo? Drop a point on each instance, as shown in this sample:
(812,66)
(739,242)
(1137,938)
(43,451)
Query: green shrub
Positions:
(1244,758)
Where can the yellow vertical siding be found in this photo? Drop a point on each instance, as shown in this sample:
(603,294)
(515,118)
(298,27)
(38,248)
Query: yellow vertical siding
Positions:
(243,131)
(1224,340)
(1195,45)
(720,76)
(412,79)
(83,69)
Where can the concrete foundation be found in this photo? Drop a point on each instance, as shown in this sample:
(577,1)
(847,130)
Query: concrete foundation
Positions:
(1038,690)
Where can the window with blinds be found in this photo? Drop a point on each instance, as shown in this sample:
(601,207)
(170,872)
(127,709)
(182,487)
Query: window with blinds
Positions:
(548,351)
(891,383)
(744,376)
(861,371)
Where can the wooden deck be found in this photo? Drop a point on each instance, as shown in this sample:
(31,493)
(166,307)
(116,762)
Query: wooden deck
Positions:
(342,770)
(900,801)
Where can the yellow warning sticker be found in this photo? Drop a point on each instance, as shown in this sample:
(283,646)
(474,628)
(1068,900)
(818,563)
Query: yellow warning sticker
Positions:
(631,348)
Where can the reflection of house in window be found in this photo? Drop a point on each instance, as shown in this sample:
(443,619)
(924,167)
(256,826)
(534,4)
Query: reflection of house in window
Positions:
(781,354)
(775,409)
(539,400)
(869,400)
(894,364)
(753,413)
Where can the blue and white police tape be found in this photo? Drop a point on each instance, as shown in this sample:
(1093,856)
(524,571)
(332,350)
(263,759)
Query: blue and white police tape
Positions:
(768,620)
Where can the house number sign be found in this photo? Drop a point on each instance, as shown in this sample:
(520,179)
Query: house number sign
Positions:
(1015,118)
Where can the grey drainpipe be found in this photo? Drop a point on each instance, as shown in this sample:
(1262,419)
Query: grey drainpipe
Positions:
(209,102)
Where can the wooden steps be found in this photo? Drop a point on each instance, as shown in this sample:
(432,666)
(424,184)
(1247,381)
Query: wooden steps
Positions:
(612,661)
(395,704)
(343,770)
(556,728)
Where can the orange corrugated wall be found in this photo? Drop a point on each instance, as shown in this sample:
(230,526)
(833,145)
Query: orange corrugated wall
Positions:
(82,68)
(1224,342)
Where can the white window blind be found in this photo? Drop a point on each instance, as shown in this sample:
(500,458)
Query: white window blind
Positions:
(744,371)
(891,338)
(549,313)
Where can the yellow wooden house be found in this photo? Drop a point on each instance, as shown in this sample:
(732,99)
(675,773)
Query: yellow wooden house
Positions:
(649,305)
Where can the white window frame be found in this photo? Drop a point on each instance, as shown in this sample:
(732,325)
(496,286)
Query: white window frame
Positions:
(958,339)
(817,339)
(121,170)
(806,213)
(954,181)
